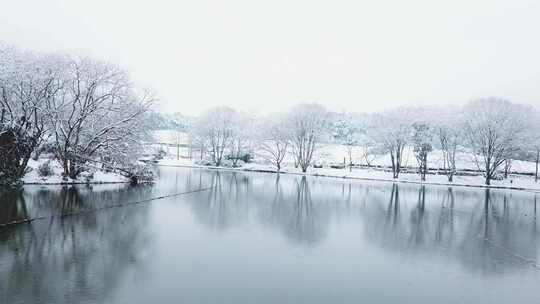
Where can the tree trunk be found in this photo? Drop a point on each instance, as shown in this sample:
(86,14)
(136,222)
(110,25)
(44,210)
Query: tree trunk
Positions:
(394,173)
(73,172)
(398,162)
(424,167)
(350,161)
(488,172)
(507,166)
(537,160)
(65,166)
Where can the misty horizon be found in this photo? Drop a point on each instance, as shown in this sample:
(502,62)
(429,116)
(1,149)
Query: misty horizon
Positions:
(358,57)
(225,151)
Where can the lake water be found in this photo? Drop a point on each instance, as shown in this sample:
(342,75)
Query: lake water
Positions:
(264,238)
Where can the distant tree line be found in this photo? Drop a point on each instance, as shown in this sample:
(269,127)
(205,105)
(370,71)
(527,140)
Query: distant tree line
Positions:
(84,111)
(493,130)
(165,121)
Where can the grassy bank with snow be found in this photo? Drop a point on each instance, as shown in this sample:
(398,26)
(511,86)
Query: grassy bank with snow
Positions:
(33,176)
(515,182)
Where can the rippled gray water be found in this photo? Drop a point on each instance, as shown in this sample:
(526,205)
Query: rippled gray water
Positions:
(263,238)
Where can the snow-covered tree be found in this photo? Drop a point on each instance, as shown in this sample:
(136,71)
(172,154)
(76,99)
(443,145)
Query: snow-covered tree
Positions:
(493,129)
(307,125)
(274,139)
(29,83)
(98,116)
(536,147)
(370,148)
(422,139)
(242,137)
(531,139)
(216,127)
(197,139)
(347,133)
(392,131)
(449,134)
(89,109)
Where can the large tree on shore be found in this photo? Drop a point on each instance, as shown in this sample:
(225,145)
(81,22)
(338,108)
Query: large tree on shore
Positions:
(87,109)
(449,134)
(242,138)
(307,125)
(493,128)
(217,128)
(274,140)
(392,131)
(531,142)
(29,85)
(98,115)
(346,131)
(422,139)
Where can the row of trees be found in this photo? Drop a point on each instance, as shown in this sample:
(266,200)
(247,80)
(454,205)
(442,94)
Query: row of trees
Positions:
(493,130)
(224,132)
(85,111)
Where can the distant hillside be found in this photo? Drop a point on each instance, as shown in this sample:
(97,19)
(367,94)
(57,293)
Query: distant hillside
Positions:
(165,121)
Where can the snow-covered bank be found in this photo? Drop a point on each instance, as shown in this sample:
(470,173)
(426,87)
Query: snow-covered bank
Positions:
(97,177)
(513,182)
(176,144)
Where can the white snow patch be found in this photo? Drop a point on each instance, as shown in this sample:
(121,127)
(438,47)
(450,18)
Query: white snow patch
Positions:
(100,177)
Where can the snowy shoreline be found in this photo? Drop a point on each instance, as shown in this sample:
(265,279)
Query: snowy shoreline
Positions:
(98,177)
(522,184)
(73,183)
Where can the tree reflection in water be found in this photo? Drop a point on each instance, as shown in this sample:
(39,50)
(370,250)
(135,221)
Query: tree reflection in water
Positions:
(488,233)
(226,203)
(305,225)
(84,258)
(234,199)
(68,259)
(484,230)
(13,206)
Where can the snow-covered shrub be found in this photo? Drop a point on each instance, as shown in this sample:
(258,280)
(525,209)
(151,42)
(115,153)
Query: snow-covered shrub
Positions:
(498,176)
(227,163)
(245,158)
(204,162)
(87,176)
(160,154)
(141,173)
(45,169)
(239,163)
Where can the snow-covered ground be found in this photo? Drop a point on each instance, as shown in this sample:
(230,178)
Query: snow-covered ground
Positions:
(332,153)
(99,177)
(328,154)
(513,182)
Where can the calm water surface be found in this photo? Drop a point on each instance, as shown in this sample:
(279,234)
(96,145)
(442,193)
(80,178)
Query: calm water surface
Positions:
(262,238)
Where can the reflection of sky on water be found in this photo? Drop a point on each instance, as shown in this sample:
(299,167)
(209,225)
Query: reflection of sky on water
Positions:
(382,235)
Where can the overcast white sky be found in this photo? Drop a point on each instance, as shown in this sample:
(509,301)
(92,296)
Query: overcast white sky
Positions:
(268,55)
